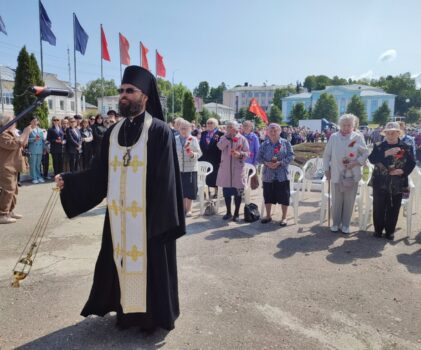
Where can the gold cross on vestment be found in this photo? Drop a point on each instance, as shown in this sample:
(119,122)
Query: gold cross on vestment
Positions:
(115,163)
(134,209)
(118,250)
(114,207)
(136,164)
(134,253)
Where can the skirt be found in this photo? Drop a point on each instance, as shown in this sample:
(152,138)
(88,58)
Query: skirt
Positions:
(189,184)
(276,192)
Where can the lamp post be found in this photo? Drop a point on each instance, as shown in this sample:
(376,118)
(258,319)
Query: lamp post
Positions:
(173,93)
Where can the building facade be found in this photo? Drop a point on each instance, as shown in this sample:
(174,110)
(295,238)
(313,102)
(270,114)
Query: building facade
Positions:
(372,98)
(239,97)
(225,113)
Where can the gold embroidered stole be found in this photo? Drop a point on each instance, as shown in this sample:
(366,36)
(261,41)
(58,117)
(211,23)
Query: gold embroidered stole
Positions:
(126,201)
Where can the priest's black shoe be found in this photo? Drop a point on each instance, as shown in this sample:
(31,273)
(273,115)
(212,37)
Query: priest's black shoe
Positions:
(389,236)
(227,217)
(377,234)
(235,218)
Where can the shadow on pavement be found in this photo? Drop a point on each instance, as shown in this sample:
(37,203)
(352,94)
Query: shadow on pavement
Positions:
(411,261)
(320,238)
(98,333)
(243,230)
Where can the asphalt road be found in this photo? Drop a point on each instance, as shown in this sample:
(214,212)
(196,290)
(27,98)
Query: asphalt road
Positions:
(241,286)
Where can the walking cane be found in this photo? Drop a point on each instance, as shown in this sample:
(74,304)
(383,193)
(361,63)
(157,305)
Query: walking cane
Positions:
(328,201)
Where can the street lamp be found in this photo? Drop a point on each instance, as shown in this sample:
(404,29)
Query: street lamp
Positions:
(173,93)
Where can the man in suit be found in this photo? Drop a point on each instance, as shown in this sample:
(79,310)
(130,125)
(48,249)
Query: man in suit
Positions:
(73,145)
(55,137)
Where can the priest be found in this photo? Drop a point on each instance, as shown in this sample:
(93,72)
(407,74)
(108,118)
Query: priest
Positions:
(137,172)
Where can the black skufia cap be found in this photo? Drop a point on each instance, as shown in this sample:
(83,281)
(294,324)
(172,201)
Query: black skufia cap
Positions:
(145,81)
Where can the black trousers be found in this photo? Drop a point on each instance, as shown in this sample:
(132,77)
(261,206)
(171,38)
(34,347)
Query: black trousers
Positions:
(57,163)
(385,211)
(74,159)
(45,164)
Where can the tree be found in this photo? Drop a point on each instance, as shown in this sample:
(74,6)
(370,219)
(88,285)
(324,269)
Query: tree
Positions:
(338,81)
(298,113)
(204,115)
(28,74)
(310,82)
(189,111)
(202,90)
(357,108)
(413,116)
(275,115)
(382,115)
(93,90)
(164,87)
(216,94)
(178,90)
(326,108)
(280,94)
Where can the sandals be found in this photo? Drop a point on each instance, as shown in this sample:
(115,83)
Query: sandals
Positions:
(283,223)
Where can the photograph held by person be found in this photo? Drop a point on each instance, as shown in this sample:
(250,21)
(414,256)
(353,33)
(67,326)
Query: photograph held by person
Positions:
(275,154)
(393,161)
(137,168)
(231,177)
(87,143)
(188,152)
(343,158)
(12,163)
(210,152)
(55,137)
(73,145)
(35,150)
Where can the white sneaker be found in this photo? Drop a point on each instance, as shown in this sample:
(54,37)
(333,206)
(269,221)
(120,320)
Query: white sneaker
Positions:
(189,214)
(15,215)
(35,181)
(6,219)
(334,228)
(41,180)
(345,229)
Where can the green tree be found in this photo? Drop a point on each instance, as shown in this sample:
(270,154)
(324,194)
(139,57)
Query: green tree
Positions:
(310,83)
(280,94)
(382,115)
(338,81)
(164,87)
(326,108)
(275,115)
(204,115)
(413,116)
(27,75)
(189,111)
(202,90)
(178,90)
(357,108)
(93,90)
(298,113)
(216,94)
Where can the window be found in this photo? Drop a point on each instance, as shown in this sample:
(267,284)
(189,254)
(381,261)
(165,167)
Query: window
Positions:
(72,105)
(250,94)
(50,104)
(8,98)
(62,105)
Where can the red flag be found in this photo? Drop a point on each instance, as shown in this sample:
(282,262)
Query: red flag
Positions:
(257,110)
(124,50)
(144,51)
(160,68)
(104,47)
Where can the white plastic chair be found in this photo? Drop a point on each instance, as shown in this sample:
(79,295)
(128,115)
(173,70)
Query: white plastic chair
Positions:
(204,169)
(361,198)
(296,176)
(416,178)
(324,199)
(312,168)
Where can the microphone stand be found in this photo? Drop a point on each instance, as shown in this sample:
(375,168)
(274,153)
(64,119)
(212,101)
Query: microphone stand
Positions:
(34,105)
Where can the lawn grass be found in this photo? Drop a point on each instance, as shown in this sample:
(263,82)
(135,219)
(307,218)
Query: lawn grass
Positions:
(305,151)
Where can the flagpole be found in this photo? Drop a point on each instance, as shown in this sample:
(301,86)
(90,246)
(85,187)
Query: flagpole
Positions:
(40,39)
(1,93)
(156,64)
(119,46)
(140,53)
(102,75)
(74,59)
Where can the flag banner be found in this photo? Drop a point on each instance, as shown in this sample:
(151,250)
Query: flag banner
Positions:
(2,26)
(45,26)
(105,55)
(124,50)
(160,67)
(257,110)
(144,52)
(80,36)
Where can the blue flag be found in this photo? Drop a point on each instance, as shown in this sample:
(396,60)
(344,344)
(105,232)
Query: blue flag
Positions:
(45,26)
(81,38)
(2,26)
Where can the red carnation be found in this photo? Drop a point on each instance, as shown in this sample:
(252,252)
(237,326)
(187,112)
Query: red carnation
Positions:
(235,139)
(276,150)
(400,154)
(352,143)
(352,155)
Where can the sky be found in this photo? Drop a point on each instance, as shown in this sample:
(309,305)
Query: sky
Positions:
(231,41)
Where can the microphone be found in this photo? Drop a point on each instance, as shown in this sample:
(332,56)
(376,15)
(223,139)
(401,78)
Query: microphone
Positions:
(44,91)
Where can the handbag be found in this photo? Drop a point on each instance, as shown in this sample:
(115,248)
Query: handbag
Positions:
(251,212)
(210,208)
(254,182)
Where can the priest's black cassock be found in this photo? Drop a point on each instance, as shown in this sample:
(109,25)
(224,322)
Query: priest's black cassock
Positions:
(165,223)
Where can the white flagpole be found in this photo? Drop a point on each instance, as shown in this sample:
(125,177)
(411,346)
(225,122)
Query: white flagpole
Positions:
(74,59)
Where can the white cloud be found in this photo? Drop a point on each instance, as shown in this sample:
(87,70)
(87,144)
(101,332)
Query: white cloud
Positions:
(388,56)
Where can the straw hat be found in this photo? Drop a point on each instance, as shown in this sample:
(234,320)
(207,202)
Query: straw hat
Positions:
(392,126)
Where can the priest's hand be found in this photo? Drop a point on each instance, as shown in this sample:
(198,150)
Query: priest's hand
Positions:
(59,181)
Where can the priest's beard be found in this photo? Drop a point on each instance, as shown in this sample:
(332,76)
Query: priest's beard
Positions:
(131,108)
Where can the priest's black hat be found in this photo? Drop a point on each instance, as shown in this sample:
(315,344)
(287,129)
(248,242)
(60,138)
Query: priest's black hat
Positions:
(145,81)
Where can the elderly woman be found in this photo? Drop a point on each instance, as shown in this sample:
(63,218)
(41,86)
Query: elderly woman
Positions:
(253,141)
(344,156)
(11,163)
(211,153)
(98,132)
(393,161)
(188,152)
(36,144)
(235,150)
(87,144)
(275,154)
(55,136)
